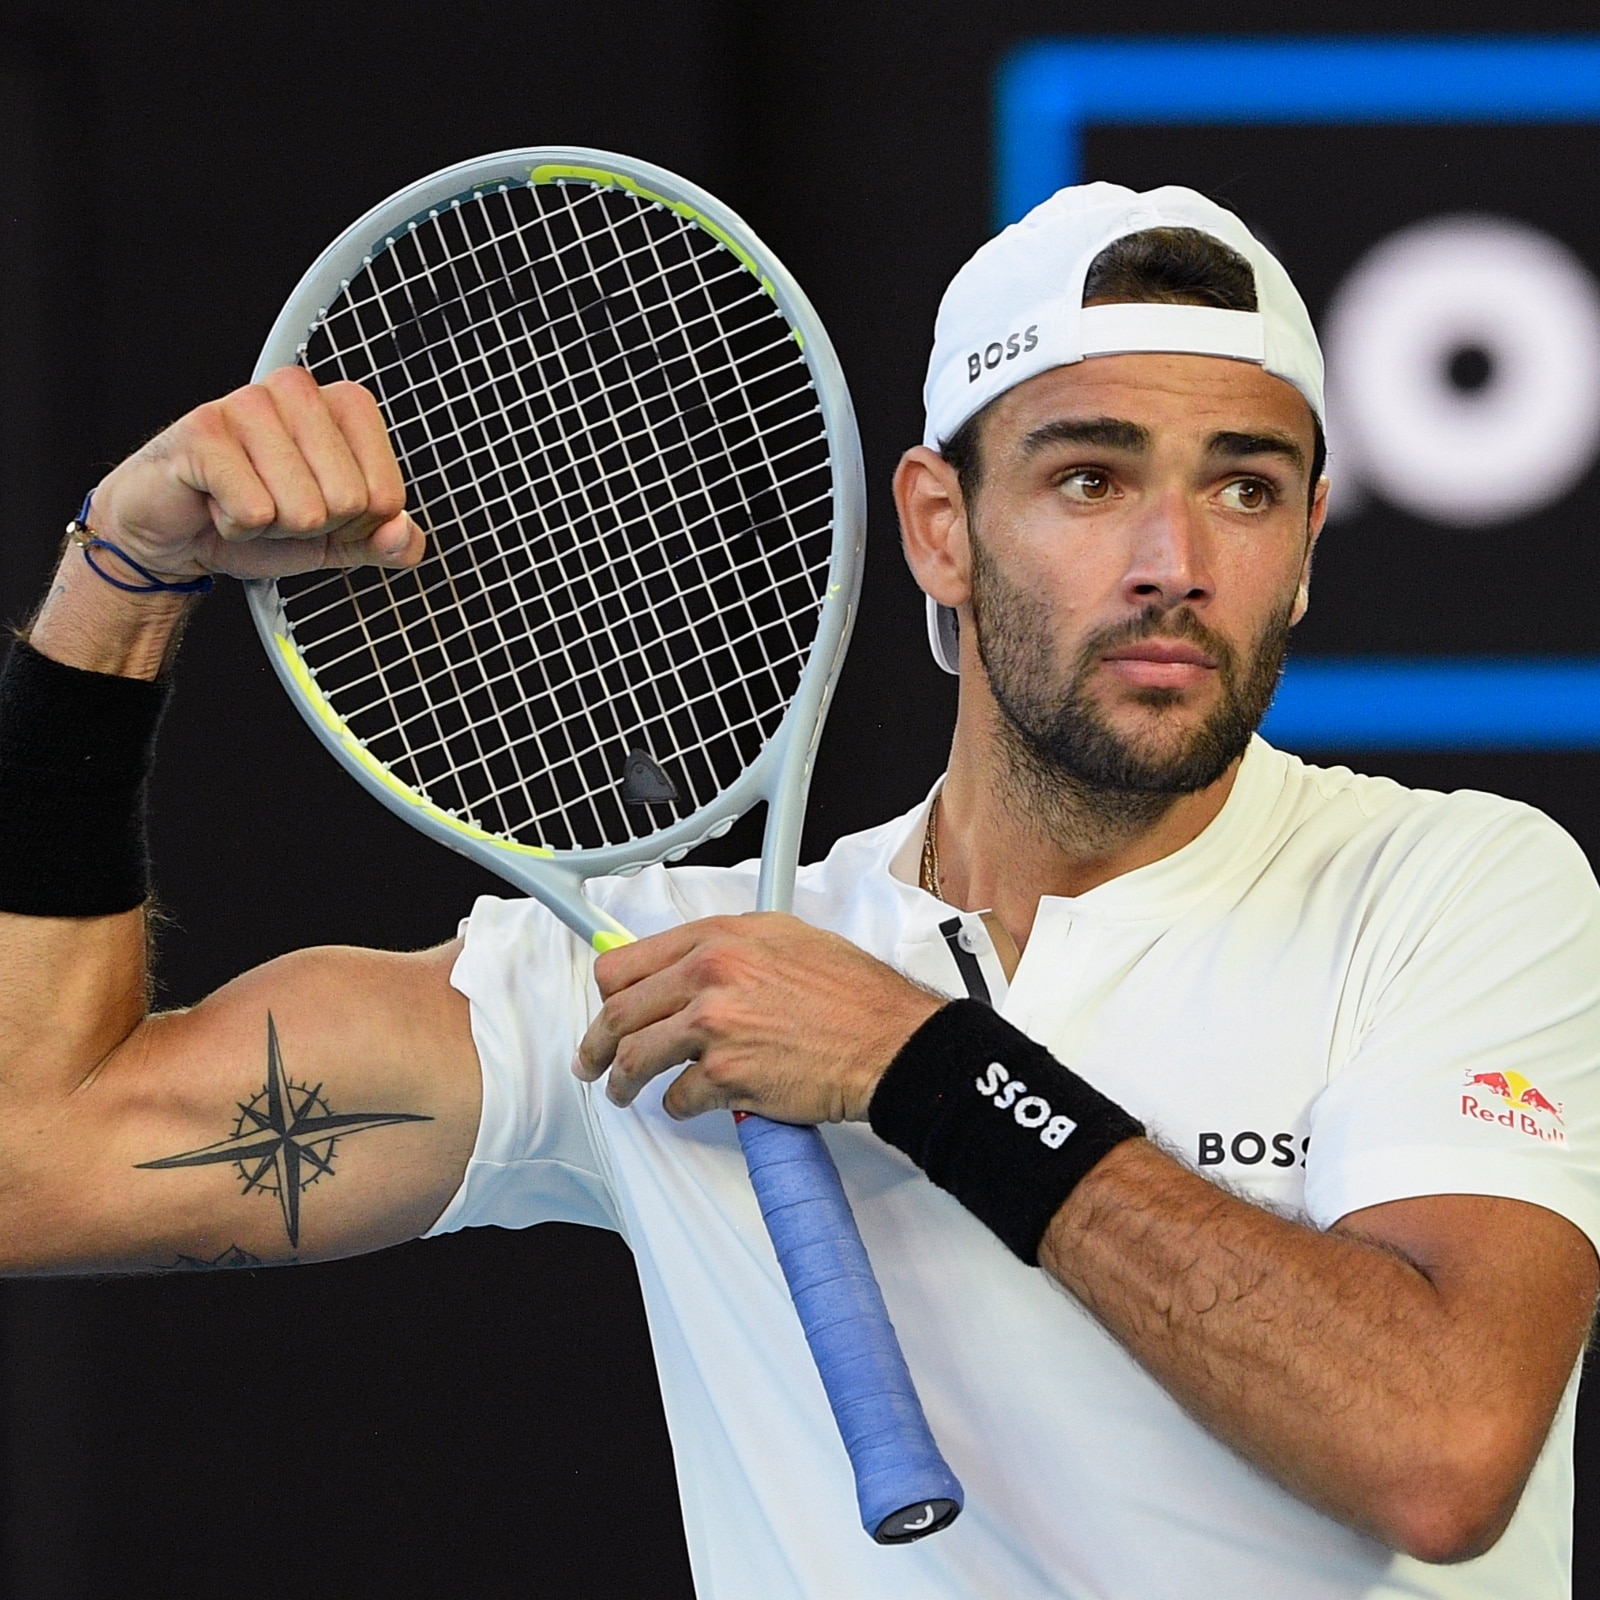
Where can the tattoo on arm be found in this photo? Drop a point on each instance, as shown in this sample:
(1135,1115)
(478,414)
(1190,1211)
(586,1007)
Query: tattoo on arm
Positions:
(233,1256)
(283,1141)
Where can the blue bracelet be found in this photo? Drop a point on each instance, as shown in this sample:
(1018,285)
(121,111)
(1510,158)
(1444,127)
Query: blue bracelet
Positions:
(89,541)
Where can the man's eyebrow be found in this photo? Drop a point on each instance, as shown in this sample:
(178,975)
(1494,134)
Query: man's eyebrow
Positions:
(1235,445)
(1110,433)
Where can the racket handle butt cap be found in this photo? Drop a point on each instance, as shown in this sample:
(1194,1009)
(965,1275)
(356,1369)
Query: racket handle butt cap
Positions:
(918,1520)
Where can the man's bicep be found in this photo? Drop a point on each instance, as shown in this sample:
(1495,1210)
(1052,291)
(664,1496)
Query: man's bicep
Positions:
(322,1105)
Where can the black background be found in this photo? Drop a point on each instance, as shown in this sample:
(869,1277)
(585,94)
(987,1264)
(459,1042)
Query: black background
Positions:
(478,1415)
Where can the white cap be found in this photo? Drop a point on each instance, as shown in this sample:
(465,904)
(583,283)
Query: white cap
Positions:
(1016,310)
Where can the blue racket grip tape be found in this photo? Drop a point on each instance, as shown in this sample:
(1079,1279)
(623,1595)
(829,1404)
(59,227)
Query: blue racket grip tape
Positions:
(903,1486)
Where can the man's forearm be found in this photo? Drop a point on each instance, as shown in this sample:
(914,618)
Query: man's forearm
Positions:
(76,985)
(279,477)
(1332,1362)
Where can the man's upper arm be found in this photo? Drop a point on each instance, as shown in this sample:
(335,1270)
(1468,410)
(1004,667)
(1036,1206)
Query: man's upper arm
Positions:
(1518,1283)
(1463,1133)
(321,1105)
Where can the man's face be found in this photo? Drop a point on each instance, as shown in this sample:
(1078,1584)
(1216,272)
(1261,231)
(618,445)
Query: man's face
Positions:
(1139,545)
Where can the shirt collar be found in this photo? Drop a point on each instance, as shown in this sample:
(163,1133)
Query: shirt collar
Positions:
(1232,841)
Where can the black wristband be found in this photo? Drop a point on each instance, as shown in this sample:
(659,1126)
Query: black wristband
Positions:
(994,1118)
(75,754)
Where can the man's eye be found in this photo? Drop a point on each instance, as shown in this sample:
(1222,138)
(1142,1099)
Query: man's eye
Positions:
(1247,494)
(1088,484)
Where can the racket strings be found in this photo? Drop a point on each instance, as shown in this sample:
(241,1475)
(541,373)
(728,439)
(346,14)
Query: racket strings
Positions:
(611,436)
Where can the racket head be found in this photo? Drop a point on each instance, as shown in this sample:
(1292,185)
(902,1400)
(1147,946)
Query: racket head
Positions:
(816,541)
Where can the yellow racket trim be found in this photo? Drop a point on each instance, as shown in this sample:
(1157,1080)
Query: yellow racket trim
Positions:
(553,171)
(294,664)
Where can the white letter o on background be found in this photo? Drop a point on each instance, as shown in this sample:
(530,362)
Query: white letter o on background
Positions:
(1464,370)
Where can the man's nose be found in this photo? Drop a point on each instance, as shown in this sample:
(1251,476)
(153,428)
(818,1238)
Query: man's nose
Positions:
(1168,562)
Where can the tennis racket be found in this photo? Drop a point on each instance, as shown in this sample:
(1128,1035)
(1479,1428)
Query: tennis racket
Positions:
(628,439)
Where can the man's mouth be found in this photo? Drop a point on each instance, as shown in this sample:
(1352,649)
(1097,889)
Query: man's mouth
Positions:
(1160,664)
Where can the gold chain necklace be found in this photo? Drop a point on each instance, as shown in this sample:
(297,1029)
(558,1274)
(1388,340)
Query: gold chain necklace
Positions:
(1005,947)
(928,875)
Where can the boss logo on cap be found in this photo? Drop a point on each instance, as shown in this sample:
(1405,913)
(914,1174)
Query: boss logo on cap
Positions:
(992,355)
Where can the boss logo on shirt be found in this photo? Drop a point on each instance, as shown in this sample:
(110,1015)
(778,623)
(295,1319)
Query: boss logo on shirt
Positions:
(990,357)
(1250,1149)
(1030,1110)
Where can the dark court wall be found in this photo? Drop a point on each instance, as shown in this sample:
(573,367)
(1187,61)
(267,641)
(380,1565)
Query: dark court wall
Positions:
(475,1416)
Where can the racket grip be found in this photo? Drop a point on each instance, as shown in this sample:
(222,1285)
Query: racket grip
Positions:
(903,1486)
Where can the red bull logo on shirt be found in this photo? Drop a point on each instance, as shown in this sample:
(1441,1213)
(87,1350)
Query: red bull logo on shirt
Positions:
(1511,1100)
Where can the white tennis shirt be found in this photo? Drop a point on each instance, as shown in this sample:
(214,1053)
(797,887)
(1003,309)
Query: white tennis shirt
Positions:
(1408,981)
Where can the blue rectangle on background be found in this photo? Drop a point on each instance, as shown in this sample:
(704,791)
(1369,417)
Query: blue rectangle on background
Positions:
(1047,92)
(1399,703)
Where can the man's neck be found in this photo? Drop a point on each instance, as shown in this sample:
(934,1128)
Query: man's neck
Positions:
(1009,833)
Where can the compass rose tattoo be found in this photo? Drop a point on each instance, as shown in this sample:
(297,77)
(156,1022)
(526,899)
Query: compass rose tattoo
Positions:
(284,1138)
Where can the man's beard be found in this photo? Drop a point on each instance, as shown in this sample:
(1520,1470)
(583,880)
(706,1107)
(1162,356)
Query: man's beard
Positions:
(1062,749)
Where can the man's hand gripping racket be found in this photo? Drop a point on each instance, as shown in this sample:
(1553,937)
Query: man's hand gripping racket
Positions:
(628,440)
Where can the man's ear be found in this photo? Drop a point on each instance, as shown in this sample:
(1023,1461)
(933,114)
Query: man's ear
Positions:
(933,525)
(1314,523)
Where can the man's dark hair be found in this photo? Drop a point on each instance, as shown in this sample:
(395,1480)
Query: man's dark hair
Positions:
(1168,266)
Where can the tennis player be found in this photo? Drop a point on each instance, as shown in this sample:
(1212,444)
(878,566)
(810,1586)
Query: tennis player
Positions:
(1225,1131)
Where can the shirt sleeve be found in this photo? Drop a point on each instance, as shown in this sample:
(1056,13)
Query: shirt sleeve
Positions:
(1476,1068)
(537,1158)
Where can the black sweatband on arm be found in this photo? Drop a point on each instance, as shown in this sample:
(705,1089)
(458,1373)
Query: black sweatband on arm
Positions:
(75,754)
(994,1118)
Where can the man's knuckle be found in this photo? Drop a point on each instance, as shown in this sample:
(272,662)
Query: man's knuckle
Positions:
(303,517)
(716,1068)
(345,503)
(205,425)
(251,512)
(293,381)
(707,963)
(734,959)
(347,392)
(252,405)
(711,1015)
(385,500)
